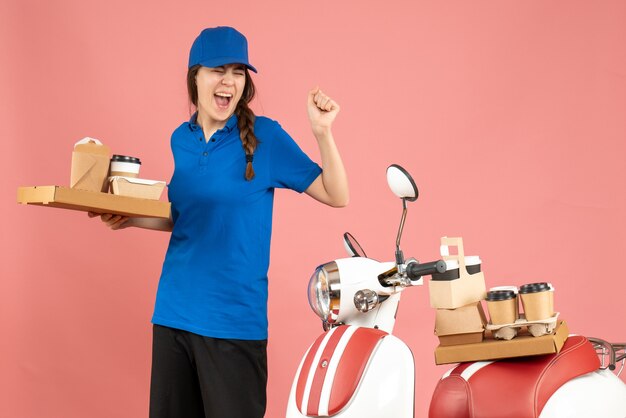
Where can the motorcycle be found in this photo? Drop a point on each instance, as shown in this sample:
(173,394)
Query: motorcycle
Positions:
(358,368)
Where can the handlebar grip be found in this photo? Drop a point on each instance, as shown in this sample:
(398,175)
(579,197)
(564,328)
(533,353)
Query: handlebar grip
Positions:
(417,270)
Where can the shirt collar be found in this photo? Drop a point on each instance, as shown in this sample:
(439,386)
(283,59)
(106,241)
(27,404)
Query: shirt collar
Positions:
(230,123)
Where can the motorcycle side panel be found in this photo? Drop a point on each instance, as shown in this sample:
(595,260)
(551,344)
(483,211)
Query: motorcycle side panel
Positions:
(597,394)
(386,388)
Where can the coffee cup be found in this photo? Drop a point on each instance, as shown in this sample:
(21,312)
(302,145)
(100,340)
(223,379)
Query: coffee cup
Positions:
(515,290)
(122,165)
(502,306)
(537,300)
(472,265)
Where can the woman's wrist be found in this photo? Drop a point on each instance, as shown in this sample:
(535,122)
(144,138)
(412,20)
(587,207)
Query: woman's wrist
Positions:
(323,133)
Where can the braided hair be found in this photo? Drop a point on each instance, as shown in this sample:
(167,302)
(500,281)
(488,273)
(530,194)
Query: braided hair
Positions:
(245,116)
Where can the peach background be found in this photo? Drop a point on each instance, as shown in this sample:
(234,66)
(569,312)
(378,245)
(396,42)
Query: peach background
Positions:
(509,115)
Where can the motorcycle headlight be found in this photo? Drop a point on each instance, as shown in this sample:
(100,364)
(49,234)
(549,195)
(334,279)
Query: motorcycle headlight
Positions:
(325,292)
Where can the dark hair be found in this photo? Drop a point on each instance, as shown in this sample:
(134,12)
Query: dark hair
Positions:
(245,115)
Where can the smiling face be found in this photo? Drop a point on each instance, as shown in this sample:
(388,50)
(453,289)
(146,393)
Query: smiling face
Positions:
(219,91)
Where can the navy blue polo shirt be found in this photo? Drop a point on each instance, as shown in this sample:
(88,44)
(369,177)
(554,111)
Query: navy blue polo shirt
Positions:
(214,277)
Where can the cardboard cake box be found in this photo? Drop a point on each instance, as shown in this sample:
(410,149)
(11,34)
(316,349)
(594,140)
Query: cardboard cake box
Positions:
(90,165)
(134,187)
(464,325)
(491,349)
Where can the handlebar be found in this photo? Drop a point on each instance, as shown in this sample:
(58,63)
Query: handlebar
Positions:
(416,270)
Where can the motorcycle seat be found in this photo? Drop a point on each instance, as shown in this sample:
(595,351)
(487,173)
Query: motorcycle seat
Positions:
(516,387)
(325,384)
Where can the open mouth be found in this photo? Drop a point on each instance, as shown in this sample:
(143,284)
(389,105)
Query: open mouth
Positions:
(223,100)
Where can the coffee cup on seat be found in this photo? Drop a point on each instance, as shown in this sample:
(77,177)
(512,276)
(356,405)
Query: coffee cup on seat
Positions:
(537,300)
(502,306)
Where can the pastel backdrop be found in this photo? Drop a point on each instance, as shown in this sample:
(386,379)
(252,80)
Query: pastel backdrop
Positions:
(509,114)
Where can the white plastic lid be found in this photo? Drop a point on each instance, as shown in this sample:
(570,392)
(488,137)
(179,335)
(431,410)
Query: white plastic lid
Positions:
(513,288)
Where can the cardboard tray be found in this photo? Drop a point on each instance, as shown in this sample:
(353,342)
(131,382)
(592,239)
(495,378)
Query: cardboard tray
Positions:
(83,200)
(490,349)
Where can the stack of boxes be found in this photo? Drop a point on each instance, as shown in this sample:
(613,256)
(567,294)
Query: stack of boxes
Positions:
(460,321)
(456,296)
(91,168)
(89,186)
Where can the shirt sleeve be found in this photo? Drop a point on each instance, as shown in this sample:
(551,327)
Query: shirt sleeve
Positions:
(290,167)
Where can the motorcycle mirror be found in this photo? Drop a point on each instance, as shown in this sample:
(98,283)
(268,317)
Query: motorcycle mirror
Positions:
(352,246)
(401,183)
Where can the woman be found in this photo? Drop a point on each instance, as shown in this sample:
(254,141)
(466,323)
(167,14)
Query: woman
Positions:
(210,318)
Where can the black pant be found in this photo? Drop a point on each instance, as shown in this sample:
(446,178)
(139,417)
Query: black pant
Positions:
(195,376)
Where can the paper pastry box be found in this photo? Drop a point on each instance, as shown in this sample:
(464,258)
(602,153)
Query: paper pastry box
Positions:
(462,325)
(134,187)
(90,166)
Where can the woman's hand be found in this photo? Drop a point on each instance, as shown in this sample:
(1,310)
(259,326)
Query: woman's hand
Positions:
(322,111)
(112,221)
